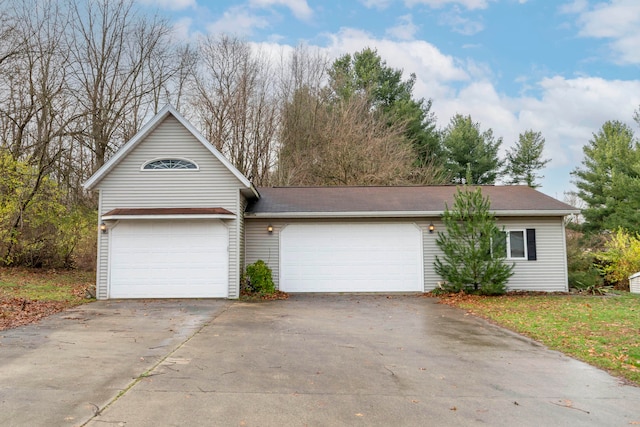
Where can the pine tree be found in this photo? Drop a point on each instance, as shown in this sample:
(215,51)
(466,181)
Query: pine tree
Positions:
(473,248)
(525,159)
(391,97)
(466,147)
(608,179)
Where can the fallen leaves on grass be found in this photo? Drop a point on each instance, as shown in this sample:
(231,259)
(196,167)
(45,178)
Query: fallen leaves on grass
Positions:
(27,295)
(454,299)
(19,311)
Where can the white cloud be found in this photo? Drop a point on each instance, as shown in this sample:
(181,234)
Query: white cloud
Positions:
(616,20)
(170,4)
(238,21)
(243,20)
(405,30)
(576,6)
(182,28)
(434,70)
(376,4)
(467,4)
(299,8)
(566,111)
(485,105)
(460,24)
(434,4)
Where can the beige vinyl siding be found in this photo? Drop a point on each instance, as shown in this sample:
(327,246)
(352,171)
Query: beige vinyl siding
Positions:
(241,234)
(430,250)
(548,273)
(236,247)
(102,266)
(260,244)
(213,185)
(234,260)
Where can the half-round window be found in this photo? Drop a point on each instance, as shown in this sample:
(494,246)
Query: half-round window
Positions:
(163,164)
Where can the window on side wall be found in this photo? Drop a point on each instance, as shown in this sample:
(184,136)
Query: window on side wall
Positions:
(516,244)
(521,244)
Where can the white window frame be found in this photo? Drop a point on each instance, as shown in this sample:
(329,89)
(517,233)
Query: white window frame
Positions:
(143,167)
(524,242)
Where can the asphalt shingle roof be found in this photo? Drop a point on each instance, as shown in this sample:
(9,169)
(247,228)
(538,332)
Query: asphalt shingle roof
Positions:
(336,200)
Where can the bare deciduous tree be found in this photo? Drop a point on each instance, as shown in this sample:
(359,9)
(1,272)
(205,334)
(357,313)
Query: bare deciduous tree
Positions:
(235,105)
(115,54)
(341,143)
(35,114)
(327,139)
(360,149)
(302,98)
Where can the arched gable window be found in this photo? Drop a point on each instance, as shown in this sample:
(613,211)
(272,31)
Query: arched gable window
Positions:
(165,164)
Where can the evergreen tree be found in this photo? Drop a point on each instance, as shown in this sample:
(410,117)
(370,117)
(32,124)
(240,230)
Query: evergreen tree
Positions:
(466,147)
(609,179)
(525,159)
(365,73)
(473,248)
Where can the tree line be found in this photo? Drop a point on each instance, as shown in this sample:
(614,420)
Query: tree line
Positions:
(79,78)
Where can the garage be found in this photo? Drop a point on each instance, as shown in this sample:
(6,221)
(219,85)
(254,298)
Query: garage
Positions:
(168,259)
(178,220)
(351,257)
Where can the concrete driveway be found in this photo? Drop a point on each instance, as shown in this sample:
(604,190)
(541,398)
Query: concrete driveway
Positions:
(308,361)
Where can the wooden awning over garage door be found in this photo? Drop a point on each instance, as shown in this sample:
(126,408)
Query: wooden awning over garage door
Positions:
(168,213)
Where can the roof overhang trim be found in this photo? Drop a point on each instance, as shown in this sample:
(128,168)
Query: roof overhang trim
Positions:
(175,216)
(167,213)
(398,214)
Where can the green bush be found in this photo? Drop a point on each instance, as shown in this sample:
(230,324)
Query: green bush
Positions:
(585,279)
(583,273)
(76,239)
(620,258)
(259,278)
(37,227)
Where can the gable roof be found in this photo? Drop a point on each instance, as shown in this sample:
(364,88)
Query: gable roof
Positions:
(291,202)
(149,127)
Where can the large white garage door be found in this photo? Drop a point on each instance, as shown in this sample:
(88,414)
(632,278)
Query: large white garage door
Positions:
(168,259)
(351,258)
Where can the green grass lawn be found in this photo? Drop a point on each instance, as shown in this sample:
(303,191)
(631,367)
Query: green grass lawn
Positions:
(45,285)
(601,330)
(27,295)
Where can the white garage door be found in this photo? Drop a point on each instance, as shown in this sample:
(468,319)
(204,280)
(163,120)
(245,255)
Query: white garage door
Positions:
(351,258)
(168,259)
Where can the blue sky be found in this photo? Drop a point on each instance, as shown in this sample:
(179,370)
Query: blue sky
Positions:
(562,67)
